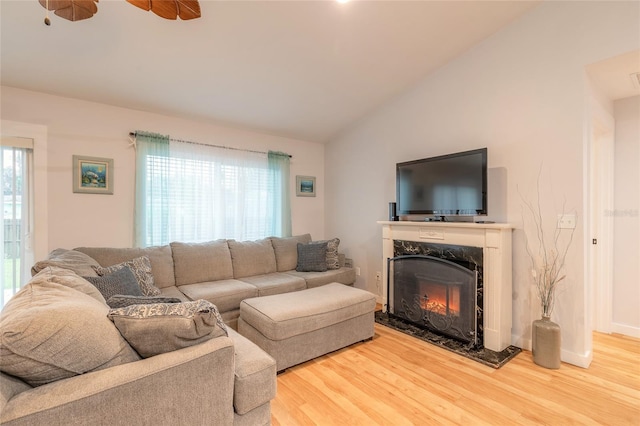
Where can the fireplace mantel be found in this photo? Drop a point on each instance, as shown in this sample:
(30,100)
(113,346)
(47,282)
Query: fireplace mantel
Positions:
(495,241)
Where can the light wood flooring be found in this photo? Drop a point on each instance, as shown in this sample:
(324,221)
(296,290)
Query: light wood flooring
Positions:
(398,380)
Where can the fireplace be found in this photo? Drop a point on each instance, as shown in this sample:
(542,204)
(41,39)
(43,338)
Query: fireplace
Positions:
(481,247)
(437,293)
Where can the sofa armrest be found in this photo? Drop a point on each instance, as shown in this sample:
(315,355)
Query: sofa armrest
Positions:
(193,385)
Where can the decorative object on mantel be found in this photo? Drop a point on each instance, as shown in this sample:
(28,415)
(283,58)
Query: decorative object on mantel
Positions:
(92,175)
(77,10)
(305,186)
(547,264)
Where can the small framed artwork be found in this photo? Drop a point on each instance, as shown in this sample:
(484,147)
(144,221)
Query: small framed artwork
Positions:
(305,186)
(92,175)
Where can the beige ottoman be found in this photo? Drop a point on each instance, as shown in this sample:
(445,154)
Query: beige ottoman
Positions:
(302,325)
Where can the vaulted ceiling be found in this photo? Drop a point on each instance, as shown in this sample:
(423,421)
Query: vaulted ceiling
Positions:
(300,69)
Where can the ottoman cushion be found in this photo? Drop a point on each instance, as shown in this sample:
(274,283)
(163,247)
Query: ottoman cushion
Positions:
(282,316)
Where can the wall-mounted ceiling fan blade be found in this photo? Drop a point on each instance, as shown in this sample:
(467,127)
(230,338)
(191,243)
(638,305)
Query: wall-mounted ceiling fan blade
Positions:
(73,10)
(170,9)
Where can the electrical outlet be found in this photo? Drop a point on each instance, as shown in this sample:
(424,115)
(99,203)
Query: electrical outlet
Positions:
(357,270)
(378,276)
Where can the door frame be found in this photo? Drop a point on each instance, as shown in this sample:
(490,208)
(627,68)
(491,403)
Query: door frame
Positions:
(600,226)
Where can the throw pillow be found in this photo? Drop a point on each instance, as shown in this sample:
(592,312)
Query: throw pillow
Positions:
(165,327)
(312,257)
(121,300)
(75,261)
(333,262)
(121,281)
(50,332)
(141,268)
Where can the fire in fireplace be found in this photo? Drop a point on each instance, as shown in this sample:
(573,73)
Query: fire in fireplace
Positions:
(440,298)
(435,293)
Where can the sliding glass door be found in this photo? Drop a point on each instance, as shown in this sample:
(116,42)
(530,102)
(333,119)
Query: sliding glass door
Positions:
(16,205)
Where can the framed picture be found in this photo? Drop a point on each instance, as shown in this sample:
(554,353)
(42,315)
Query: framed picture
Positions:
(92,175)
(305,186)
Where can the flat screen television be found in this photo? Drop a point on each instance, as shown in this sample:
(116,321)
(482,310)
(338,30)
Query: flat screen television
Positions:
(447,185)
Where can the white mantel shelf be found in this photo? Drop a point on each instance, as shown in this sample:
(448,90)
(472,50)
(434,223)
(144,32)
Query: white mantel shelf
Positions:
(495,241)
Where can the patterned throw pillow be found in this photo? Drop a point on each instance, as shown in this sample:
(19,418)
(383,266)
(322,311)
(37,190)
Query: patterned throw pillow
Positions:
(121,300)
(332,254)
(312,257)
(141,268)
(164,327)
(121,281)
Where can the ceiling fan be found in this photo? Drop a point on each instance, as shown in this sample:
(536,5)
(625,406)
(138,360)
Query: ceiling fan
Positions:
(76,10)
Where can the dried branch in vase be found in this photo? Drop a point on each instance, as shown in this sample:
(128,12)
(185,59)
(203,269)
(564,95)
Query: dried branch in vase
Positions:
(547,253)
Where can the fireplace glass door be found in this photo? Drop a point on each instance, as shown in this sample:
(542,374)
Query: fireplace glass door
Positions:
(436,294)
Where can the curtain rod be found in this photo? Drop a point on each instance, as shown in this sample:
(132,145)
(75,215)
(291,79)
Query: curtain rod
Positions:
(134,134)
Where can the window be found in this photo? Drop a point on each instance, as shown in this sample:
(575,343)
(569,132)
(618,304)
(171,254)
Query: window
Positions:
(192,192)
(16,252)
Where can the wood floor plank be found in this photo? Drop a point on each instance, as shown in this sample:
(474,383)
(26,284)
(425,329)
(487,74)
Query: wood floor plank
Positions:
(398,380)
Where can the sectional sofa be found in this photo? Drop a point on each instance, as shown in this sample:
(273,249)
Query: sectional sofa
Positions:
(225,272)
(101,379)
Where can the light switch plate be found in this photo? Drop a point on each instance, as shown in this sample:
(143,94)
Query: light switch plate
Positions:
(566,221)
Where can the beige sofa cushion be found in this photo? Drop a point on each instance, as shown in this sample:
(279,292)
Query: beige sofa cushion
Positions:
(225,294)
(153,329)
(316,279)
(286,250)
(51,331)
(199,262)
(76,261)
(68,278)
(159,256)
(276,283)
(252,257)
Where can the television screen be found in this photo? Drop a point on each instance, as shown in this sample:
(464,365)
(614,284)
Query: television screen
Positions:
(454,184)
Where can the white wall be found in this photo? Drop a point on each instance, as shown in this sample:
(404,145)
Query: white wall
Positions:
(521,93)
(626,218)
(85,128)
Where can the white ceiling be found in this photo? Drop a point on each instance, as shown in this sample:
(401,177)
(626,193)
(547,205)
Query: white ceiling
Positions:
(301,69)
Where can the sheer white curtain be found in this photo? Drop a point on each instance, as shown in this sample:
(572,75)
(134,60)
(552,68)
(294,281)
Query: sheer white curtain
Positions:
(16,204)
(193,193)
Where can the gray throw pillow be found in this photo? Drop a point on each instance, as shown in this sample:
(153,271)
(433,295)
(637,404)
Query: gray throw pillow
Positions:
(141,268)
(312,257)
(121,300)
(121,281)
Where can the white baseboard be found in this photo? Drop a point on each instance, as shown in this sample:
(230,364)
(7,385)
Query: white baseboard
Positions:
(579,360)
(627,330)
(521,342)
